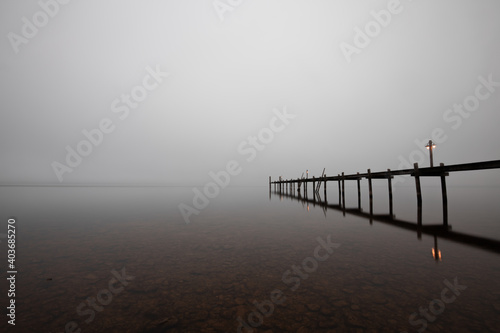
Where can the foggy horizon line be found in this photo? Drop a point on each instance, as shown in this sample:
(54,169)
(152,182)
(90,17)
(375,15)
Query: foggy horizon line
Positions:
(113,185)
(265,184)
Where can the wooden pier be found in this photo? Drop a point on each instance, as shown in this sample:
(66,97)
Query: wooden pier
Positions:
(290,186)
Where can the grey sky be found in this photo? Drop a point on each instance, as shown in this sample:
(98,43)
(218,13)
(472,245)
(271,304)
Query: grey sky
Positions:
(226,77)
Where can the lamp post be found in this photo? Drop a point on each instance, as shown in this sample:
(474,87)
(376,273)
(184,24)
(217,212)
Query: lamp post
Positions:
(430,147)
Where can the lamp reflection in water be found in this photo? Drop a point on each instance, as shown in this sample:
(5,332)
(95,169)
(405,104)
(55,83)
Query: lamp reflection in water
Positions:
(436,253)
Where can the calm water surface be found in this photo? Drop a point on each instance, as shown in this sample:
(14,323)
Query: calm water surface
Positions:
(121,259)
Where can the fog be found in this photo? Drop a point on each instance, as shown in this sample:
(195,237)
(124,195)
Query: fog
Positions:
(277,86)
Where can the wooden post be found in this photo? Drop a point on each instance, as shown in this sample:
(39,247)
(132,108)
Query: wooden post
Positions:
(343,192)
(370,191)
(419,194)
(270,188)
(389,182)
(305,183)
(340,192)
(359,192)
(314,188)
(445,198)
(325,188)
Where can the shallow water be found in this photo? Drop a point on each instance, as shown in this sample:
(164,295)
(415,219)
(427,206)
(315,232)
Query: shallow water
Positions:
(247,250)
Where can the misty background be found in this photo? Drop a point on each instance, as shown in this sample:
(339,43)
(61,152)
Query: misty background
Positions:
(227,76)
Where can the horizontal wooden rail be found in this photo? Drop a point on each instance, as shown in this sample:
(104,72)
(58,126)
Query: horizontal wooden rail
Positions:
(423,172)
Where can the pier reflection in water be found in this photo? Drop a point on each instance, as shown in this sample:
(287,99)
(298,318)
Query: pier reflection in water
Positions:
(436,230)
(464,245)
